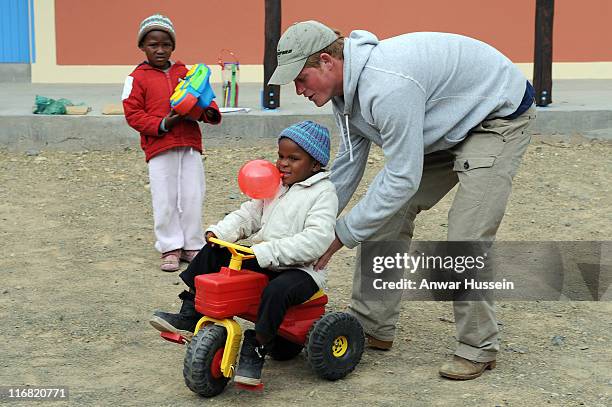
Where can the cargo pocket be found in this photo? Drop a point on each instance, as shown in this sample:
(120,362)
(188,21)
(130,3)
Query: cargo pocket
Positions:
(475,179)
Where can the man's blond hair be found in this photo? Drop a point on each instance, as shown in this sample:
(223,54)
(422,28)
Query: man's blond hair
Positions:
(335,49)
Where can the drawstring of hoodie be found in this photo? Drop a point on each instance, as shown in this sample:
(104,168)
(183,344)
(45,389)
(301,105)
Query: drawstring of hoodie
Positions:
(348,136)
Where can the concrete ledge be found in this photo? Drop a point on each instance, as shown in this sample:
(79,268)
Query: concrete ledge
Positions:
(581,107)
(589,123)
(75,133)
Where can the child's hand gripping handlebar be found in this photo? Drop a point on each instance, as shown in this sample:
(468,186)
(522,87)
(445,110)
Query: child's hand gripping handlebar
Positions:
(237,258)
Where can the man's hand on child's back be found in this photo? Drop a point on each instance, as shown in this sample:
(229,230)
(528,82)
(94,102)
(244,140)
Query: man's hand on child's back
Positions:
(333,248)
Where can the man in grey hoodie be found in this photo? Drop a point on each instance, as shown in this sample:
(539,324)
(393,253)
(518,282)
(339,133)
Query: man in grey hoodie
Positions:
(445,109)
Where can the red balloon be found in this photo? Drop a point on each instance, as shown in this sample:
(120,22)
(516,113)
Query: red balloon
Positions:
(259,179)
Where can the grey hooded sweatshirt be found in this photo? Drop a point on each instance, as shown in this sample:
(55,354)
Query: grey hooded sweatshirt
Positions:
(412,95)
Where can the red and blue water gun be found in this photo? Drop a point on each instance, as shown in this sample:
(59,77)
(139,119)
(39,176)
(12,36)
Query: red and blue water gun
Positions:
(193,94)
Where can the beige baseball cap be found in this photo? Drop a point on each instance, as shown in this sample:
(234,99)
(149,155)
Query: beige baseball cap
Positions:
(300,41)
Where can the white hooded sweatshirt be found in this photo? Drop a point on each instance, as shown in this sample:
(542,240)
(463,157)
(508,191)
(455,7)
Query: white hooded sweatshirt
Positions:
(291,230)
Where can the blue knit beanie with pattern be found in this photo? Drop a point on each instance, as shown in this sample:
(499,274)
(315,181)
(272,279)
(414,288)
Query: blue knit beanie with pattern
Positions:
(312,137)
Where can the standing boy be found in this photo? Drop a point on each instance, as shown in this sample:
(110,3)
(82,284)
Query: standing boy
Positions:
(172,144)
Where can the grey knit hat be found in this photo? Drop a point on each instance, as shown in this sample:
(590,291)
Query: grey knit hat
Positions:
(312,137)
(156,22)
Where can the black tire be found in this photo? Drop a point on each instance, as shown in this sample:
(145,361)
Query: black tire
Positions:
(320,345)
(198,359)
(284,349)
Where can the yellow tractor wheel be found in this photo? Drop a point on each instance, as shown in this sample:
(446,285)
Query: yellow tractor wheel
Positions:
(334,345)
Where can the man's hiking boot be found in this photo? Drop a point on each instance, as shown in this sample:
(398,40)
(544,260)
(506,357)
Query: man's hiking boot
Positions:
(463,369)
(378,344)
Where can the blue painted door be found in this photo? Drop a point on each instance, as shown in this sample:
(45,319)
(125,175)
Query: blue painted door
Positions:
(17,31)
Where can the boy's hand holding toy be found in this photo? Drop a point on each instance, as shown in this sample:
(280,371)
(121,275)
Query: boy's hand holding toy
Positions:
(171,119)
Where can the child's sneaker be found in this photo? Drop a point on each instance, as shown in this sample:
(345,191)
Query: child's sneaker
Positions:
(188,255)
(252,356)
(183,323)
(170,260)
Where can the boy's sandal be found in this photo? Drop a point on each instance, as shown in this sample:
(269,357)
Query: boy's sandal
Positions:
(188,255)
(170,260)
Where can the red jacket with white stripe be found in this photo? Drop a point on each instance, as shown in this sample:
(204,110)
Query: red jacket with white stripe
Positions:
(146,101)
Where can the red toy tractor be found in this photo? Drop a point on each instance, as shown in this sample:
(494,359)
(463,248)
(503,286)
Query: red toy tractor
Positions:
(333,342)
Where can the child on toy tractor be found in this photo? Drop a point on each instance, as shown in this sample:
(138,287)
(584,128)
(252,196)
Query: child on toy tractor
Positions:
(289,233)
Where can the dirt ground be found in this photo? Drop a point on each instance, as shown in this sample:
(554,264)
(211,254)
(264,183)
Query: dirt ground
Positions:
(80,279)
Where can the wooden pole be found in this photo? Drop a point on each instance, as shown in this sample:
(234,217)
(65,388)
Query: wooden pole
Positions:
(542,66)
(271,93)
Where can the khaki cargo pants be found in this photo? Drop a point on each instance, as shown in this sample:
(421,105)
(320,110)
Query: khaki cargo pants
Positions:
(484,165)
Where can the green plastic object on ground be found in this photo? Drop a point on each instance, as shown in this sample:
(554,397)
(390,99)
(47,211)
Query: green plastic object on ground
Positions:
(45,105)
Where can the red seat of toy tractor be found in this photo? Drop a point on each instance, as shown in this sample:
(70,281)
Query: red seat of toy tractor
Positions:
(230,293)
(300,318)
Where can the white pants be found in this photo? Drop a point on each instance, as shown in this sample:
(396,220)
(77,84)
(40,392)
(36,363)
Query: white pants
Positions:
(177,189)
